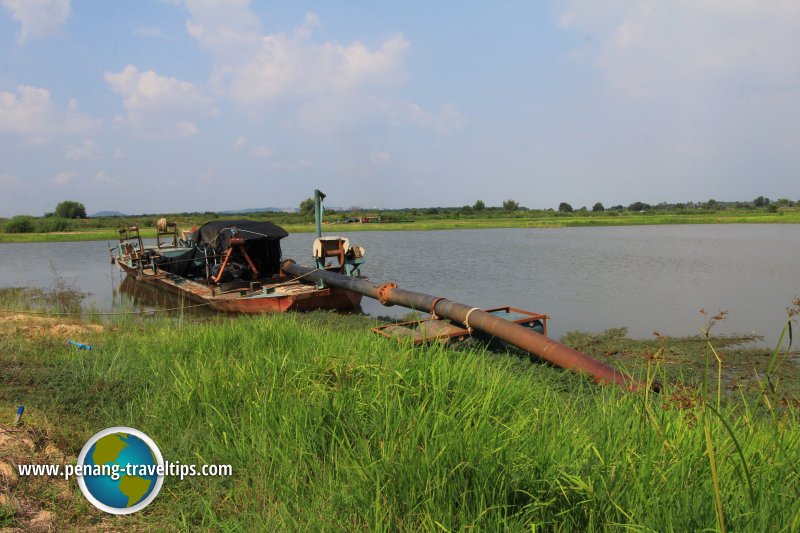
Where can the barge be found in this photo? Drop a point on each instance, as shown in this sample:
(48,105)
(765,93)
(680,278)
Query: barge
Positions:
(235,266)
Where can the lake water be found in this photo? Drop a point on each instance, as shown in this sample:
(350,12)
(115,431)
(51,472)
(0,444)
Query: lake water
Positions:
(646,278)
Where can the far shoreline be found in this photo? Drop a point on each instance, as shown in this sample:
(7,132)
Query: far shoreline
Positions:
(109,233)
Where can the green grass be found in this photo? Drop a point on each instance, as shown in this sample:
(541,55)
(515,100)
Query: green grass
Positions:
(107,229)
(328,426)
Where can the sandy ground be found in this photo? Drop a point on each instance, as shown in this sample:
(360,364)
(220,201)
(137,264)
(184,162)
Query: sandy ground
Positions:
(44,326)
(30,513)
(37,504)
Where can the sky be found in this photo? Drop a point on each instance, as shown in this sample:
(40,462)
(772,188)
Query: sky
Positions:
(167,106)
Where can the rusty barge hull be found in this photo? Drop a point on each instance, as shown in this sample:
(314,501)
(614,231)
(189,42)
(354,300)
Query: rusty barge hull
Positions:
(286,294)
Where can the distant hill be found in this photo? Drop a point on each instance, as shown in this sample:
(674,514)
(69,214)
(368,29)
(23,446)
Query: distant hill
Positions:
(259,210)
(100,214)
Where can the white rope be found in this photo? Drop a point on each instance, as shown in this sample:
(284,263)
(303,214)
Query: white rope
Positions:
(239,229)
(466,320)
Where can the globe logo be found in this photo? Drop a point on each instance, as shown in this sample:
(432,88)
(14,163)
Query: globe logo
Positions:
(121,470)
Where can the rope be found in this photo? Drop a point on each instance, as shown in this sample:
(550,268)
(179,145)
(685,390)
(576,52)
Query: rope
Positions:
(118,313)
(433,307)
(239,229)
(141,312)
(298,277)
(466,320)
(176,261)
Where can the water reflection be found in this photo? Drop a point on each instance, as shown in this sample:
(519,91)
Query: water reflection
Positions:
(136,295)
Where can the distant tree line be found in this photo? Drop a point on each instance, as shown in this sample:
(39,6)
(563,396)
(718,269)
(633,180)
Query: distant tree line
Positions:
(70,215)
(758,203)
(58,220)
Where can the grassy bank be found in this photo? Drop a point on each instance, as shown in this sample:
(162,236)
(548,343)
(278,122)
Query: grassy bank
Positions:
(106,229)
(330,427)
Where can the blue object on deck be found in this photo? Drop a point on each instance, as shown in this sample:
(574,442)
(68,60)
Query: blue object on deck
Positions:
(20,410)
(79,345)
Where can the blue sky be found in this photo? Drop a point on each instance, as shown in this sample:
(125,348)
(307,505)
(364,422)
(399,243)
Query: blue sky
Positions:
(155,106)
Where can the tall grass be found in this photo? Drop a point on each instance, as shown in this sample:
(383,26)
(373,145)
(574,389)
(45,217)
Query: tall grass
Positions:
(20,224)
(330,427)
(52,224)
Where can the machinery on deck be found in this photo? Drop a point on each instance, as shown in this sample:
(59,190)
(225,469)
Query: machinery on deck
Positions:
(350,257)
(234,265)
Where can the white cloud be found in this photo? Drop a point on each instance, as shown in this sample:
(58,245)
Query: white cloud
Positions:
(225,28)
(293,166)
(380,156)
(288,66)
(152,32)
(184,128)
(7,180)
(31,113)
(63,178)
(158,105)
(316,84)
(262,151)
(87,150)
(653,49)
(75,121)
(253,67)
(692,94)
(101,178)
(148,91)
(241,141)
(38,18)
(449,119)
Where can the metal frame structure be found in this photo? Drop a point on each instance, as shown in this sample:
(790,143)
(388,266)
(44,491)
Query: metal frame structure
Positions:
(447,330)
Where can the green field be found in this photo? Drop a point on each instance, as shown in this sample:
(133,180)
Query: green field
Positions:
(107,228)
(329,427)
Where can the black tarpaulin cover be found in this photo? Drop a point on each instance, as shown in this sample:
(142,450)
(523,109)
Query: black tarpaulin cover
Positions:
(261,240)
(245,229)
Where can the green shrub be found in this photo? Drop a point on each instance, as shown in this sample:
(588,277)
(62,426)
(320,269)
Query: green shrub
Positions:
(20,224)
(52,224)
(70,209)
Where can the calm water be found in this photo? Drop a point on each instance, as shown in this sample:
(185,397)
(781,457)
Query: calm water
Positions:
(645,278)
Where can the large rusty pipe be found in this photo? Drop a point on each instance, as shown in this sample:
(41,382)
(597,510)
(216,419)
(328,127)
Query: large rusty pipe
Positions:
(523,338)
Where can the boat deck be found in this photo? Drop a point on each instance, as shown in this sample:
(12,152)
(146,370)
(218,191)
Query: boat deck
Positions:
(164,266)
(277,287)
(268,295)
